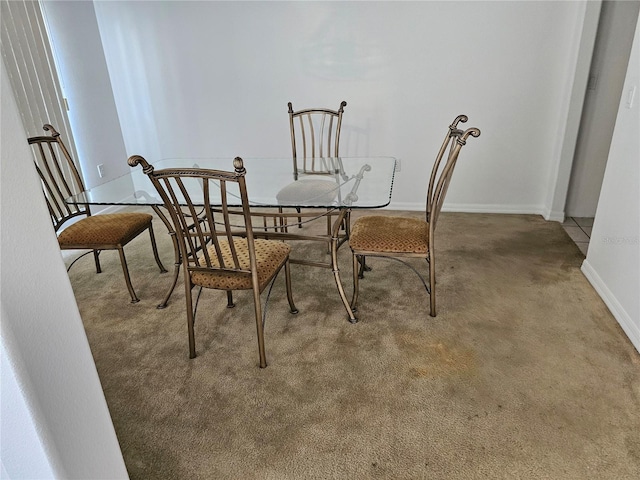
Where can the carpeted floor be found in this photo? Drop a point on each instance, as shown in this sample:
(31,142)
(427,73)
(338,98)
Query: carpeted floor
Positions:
(524,373)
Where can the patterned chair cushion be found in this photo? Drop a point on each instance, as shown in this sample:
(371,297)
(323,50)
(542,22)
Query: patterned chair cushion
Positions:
(389,234)
(270,256)
(111,229)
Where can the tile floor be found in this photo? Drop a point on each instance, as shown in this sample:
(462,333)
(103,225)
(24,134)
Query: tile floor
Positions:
(579,229)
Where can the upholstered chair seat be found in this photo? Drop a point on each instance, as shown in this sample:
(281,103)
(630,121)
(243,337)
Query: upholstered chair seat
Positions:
(390,235)
(270,255)
(309,190)
(114,229)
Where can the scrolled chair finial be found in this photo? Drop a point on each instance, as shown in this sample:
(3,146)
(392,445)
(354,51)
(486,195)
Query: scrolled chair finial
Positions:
(342,105)
(473,131)
(139,160)
(238,165)
(462,139)
(365,168)
(460,118)
(47,127)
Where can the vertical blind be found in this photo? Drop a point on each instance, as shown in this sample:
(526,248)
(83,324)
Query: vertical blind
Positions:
(29,61)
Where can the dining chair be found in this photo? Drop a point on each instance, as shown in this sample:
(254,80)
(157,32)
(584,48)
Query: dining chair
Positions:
(401,237)
(210,213)
(74,225)
(315,135)
(315,146)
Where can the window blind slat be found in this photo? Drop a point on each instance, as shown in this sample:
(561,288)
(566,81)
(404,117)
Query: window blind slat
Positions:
(28,56)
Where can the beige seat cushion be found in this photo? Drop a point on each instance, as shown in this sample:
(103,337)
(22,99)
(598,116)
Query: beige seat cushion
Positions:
(308,191)
(270,256)
(389,235)
(112,229)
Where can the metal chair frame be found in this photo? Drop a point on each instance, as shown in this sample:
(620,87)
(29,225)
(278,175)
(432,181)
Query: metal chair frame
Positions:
(315,137)
(206,227)
(60,180)
(318,135)
(439,182)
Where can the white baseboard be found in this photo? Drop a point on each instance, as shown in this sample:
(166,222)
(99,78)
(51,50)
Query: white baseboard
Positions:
(477,208)
(554,216)
(415,207)
(617,310)
(103,209)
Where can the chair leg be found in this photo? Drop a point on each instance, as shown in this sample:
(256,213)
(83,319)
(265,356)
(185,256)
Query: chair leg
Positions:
(362,260)
(283,221)
(127,278)
(356,282)
(190,318)
(96,258)
(432,287)
(176,271)
(259,326)
(347,224)
(230,303)
(329,232)
(155,249)
(287,276)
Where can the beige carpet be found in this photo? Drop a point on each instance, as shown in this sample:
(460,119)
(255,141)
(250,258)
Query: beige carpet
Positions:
(524,373)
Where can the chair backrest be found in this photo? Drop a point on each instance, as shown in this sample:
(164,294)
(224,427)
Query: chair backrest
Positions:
(442,171)
(198,201)
(315,134)
(59,176)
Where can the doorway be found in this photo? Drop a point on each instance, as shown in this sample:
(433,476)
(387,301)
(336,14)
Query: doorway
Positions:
(616,28)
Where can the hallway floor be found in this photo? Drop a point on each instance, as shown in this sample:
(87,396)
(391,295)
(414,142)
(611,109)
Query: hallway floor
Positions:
(579,229)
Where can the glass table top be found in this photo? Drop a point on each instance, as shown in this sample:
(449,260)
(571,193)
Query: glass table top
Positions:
(341,182)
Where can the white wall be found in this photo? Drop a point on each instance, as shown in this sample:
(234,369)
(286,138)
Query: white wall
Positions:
(20,446)
(92,110)
(48,363)
(613,259)
(213,79)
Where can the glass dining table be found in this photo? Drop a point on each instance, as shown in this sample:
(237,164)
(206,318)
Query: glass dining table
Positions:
(331,188)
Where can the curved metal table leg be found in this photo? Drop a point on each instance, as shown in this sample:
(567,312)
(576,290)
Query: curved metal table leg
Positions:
(176,252)
(335,243)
